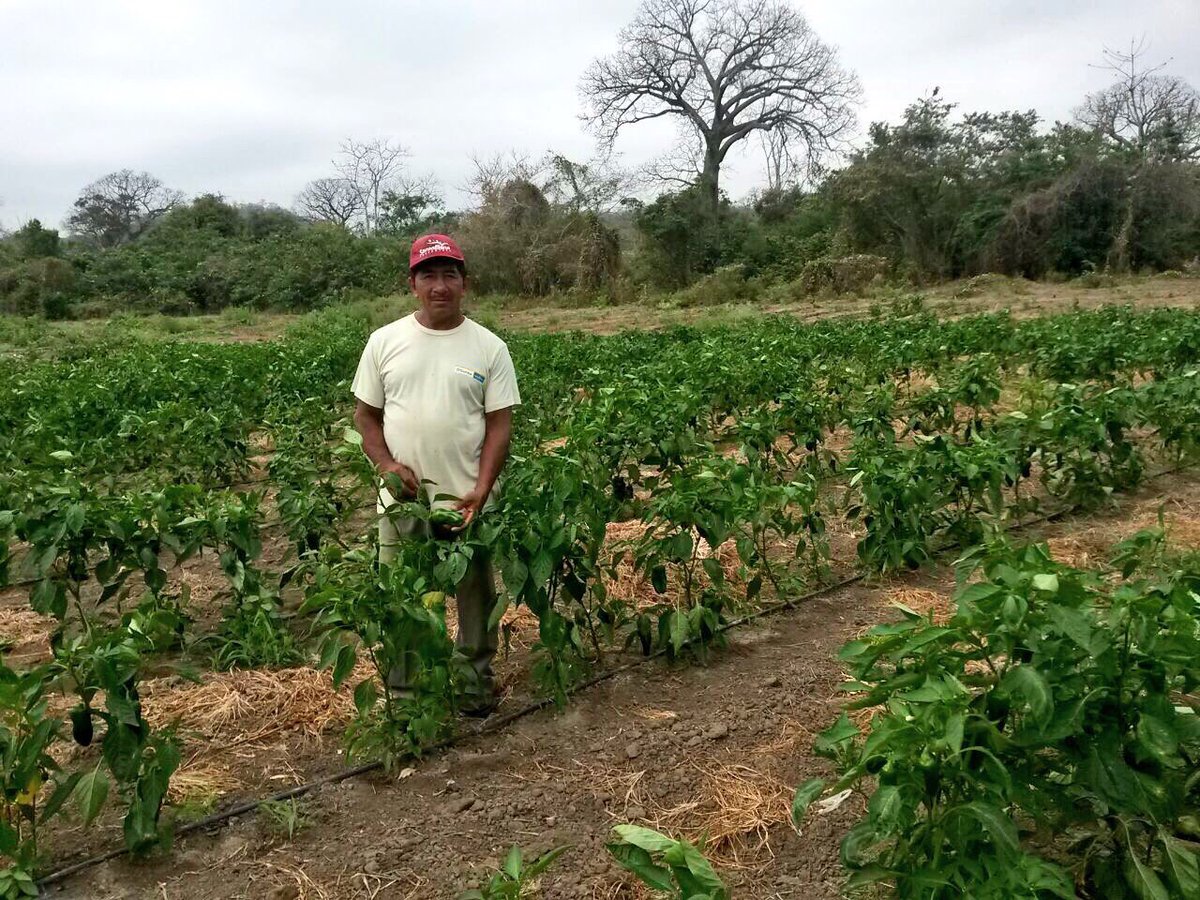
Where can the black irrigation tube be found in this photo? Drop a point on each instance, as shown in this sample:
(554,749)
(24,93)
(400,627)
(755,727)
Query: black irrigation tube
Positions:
(504,721)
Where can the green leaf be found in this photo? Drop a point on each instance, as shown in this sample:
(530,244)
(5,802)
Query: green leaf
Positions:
(638,861)
(1142,880)
(1046,581)
(1157,737)
(840,732)
(691,860)
(365,696)
(805,795)
(498,611)
(681,546)
(869,875)
(62,792)
(1030,685)
(346,658)
(512,863)
(978,592)
(646,838)
(1182,865)
(91,792)
(329,651)
(920,640)
(679,631)
(1075,624)
(1001,828)
(886,807)
(953,737)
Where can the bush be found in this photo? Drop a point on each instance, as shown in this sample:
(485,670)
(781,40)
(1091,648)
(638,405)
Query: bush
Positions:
(42,286)
(726,285)
(843,275)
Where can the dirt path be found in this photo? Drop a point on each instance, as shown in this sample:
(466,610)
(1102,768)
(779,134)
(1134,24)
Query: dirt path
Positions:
(683,748)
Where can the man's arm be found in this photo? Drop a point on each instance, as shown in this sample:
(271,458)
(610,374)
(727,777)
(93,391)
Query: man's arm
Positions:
(496,436)
(369,422)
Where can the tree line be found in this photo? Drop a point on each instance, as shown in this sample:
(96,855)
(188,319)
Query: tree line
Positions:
(938,194)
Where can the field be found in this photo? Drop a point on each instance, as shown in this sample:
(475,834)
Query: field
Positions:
(696,519)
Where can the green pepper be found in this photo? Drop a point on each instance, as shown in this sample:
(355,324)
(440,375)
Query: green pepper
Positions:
(447,518)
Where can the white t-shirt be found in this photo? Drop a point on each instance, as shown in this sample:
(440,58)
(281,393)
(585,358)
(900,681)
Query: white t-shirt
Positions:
(434,388)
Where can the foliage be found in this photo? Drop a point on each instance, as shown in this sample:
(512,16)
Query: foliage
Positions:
(714,452)
(1052,713)
(515,876)
(287,818)
(672,867)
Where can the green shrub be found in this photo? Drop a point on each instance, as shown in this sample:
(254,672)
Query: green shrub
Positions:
(725,285)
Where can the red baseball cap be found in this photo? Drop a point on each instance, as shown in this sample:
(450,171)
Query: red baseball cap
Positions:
(433,246)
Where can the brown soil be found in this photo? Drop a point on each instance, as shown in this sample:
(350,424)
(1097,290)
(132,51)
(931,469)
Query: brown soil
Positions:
(688,749)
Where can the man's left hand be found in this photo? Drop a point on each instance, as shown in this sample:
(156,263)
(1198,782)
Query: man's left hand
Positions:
(469,506)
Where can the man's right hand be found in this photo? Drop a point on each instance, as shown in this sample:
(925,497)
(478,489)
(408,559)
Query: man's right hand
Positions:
(406,475)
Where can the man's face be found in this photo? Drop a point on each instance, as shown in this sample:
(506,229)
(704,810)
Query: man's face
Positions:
(440,287)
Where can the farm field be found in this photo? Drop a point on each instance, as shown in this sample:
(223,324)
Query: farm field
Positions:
(188,559)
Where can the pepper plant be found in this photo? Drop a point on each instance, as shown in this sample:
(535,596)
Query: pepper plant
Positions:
(668,866)
(1055,711)
(395,615)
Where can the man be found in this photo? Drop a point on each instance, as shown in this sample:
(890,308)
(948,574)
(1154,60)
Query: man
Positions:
(435,395)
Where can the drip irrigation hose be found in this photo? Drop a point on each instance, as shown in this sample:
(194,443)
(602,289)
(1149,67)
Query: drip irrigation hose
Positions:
(502,722)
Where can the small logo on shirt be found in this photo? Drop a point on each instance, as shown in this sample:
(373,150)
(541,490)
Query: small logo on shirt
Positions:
(478,376)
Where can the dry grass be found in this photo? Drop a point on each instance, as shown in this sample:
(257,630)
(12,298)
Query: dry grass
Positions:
(735,806)
(925,602)
(632,588)
(1092,547)
(26,632)
(622,785)
(249,705)
(233,714)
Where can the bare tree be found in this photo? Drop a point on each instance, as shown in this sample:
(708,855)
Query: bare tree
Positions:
(1157,116)
(781,168)
(372,168)
(593,186)
(330,200)
(493,172)
(119,207)
(728,68)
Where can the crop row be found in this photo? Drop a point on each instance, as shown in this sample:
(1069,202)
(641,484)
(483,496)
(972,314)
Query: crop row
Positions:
(725,447)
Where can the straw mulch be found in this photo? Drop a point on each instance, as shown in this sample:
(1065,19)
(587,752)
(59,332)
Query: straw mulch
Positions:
(232,715)
(632,588)
(735,806)
(734,803)
(1092,547)
(26,633)
(927,603)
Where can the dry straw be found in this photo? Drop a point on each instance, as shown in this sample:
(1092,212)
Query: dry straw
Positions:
(734,807)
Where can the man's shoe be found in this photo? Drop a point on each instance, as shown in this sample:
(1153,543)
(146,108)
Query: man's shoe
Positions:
(480,710)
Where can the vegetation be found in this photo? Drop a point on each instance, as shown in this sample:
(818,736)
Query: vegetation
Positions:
(713,446)
(935,195)
(1042,741)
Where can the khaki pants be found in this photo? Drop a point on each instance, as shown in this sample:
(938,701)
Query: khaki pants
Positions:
(475,598)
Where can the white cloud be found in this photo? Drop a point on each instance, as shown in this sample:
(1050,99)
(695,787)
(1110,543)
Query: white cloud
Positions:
(253,99)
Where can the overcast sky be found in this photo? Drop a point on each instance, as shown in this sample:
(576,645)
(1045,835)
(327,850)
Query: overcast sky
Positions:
(251,99)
